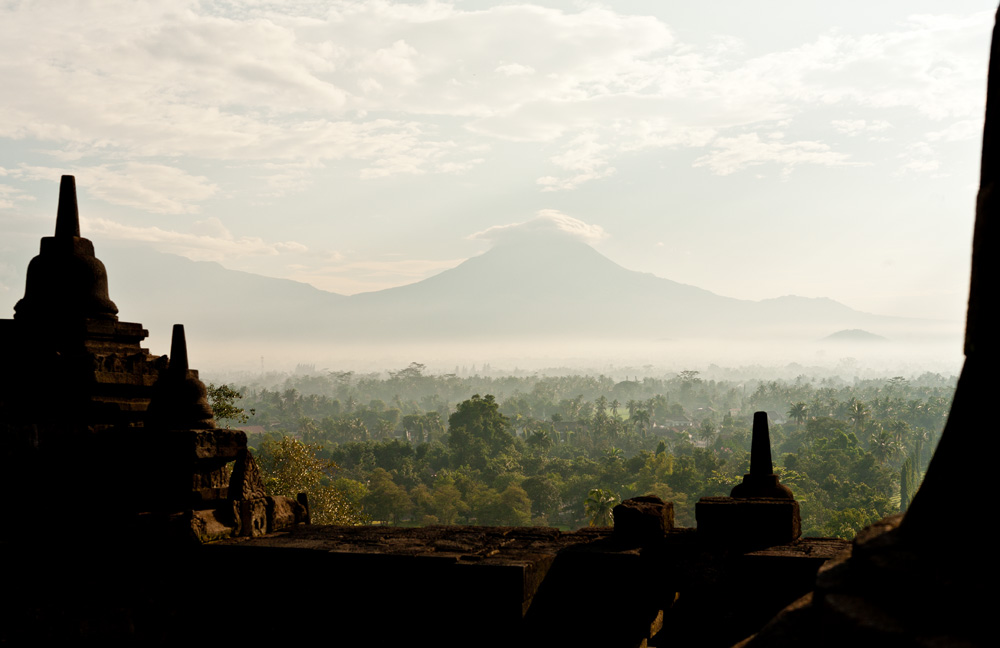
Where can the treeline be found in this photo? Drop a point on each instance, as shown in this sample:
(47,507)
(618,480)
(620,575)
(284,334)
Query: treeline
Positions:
(411,448)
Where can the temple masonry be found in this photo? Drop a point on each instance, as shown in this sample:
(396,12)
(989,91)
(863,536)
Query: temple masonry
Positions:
(124,440)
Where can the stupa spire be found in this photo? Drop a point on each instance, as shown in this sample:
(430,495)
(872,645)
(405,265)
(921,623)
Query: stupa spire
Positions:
(760,446)
(178,350)
(68,214)
(761,480)
(180,399)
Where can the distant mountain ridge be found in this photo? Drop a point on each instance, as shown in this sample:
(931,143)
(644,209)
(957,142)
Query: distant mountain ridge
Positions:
(548,286)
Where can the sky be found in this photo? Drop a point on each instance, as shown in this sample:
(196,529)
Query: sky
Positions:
(752,149)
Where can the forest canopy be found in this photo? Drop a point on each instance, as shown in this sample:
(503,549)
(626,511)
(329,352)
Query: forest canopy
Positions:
(409,448)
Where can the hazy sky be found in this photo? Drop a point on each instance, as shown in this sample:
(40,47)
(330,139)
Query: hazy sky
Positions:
(755,149)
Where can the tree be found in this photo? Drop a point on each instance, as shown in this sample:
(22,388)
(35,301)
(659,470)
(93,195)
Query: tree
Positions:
(539,440)
(289,467)
(386,500)
(883,447)
(706,431)
(797,412)
(543,494)
(448,504)
(512,507)
(908,482)
(477,430)
(223,400)
(598,507)
(858,412)
(601,404)
(641,419)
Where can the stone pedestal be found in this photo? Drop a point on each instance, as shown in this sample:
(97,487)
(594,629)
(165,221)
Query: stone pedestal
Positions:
(748,523)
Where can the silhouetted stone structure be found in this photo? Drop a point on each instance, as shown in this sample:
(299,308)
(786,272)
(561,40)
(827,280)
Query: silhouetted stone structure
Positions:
(761,480)
(761,511)
(123,440)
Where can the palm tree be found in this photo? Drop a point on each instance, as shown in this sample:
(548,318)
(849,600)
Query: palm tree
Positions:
(882,446)
(614,407)
(858,412)
(641,418)
(602,404)
(706,431)
(598,506)
(798,412)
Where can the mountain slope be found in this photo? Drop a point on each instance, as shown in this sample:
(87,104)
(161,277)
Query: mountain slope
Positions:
(551,286)
(544,287)
(160,289)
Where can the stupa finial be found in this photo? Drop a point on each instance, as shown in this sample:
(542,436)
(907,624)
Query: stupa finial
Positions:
(68,215)
(761,480)
(760,446)
(178,350)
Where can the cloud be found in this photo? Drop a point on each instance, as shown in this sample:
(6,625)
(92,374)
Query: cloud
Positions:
(229,82)
(966,129)
(349,277)
(210,240)
(413,88)
(857,126)
(548,221)
(9,195)
(514,69)
(732,154)
(919,157)
(586,157)
(151,187)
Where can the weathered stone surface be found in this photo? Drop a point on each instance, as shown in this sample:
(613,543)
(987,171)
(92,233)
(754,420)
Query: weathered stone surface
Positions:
(643,520)
(303,500)
(283,512)
(209,526)
(245,482)
(210,495)
(217,444)
(253,516)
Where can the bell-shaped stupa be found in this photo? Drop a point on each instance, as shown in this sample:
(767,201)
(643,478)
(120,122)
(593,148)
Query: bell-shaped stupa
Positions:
(66,281)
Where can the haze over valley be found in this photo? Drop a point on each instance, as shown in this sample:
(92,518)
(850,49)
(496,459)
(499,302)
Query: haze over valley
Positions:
(540,299)
(531,186)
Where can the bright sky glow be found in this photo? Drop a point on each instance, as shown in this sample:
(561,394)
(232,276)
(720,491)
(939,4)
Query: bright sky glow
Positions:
(754,149)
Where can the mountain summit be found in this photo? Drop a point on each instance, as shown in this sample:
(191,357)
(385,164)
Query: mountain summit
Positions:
(549,285)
